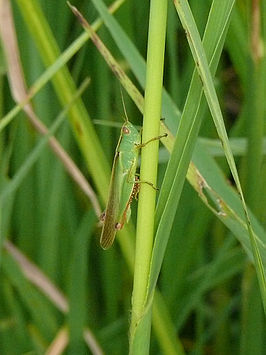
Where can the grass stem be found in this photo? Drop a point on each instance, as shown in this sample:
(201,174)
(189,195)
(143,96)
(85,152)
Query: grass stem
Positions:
(139,340)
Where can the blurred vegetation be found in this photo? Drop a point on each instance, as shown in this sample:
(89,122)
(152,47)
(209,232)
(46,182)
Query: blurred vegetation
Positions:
(60,292)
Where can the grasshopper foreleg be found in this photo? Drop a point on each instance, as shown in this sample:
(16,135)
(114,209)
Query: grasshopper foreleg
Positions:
(141,145)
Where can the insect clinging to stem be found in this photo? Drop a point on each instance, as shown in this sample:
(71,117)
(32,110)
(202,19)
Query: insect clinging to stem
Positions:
(124,184)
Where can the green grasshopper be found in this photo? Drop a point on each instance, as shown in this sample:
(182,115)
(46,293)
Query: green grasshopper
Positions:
(124,185)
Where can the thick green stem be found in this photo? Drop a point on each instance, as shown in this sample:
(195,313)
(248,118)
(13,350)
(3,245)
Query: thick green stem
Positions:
(139,338)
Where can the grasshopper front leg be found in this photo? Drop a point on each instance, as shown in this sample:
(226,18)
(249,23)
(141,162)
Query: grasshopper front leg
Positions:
(141,145)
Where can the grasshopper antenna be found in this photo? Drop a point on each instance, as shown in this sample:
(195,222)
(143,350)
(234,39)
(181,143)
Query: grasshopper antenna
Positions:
(124,106)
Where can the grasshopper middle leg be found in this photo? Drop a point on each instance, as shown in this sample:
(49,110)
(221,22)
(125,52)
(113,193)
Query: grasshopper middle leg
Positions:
(138,181)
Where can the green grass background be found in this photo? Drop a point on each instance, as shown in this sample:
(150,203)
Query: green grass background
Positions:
(209,300)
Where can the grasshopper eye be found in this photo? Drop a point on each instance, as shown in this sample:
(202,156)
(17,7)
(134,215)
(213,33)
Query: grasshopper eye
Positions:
(126,130)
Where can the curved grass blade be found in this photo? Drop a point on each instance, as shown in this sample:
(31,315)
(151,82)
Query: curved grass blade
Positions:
(199,56)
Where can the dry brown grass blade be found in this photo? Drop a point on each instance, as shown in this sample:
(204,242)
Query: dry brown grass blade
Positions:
(59,344)
(43,283)
(19,92)
(37,277)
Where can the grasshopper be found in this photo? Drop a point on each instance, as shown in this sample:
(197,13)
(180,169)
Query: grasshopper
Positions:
(124,185)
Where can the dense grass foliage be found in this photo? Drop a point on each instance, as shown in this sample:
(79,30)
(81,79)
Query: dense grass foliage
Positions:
(199,278)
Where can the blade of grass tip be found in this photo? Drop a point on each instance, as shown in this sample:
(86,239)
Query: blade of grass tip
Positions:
(197,51)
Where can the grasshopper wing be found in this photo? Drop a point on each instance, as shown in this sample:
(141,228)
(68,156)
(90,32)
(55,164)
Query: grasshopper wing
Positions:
(112,210)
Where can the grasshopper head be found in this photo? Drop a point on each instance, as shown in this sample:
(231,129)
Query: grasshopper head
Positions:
(128,130)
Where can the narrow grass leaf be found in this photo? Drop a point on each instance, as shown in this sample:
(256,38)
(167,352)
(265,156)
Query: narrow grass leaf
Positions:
(185,139)
(199,56)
